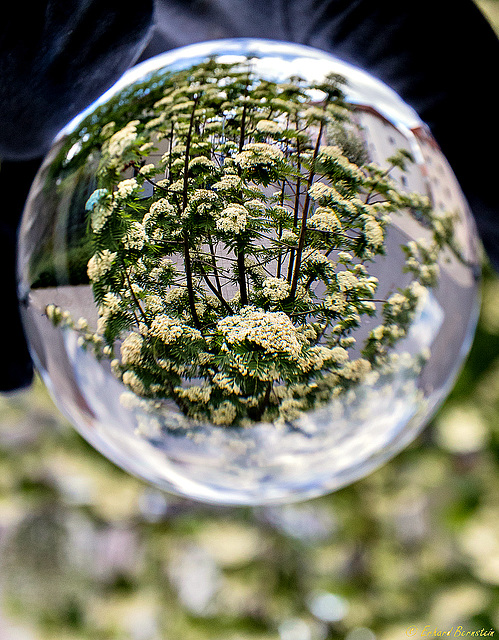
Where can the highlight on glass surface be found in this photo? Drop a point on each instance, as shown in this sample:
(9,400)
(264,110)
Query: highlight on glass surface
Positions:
(247,272)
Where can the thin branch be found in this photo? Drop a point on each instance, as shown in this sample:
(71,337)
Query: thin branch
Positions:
(214,263)
(279,257)
(241,268)
(170,155)
(217,293)
(187,255)
(159,186)
(296,207)
(303,230)
(135,299)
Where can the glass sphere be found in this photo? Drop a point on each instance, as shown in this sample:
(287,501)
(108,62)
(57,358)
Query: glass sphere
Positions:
(247,272)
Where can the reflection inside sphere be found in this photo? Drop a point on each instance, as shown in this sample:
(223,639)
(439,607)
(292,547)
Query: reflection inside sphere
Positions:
(248,272)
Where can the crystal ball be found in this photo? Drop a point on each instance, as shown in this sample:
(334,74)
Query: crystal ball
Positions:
(247,272)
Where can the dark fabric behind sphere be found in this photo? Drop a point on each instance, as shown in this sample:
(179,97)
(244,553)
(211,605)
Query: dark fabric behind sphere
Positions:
(56,57)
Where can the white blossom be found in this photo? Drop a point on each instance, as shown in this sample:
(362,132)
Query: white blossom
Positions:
(273,331)
(325,219)
(126,187)
(373,233)
(132,380)
(195,393)
(202,161)
(169,330)
(131,349)
(289,237)
(135,237)
(147,169)
(99,264)
(100,215)
(233,218)
(346,280)
(225,414)
(269,126)
(227,182)
(276,289)
(123,139)
(259,153)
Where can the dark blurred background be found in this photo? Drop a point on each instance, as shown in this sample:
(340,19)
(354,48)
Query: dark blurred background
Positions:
(88,552)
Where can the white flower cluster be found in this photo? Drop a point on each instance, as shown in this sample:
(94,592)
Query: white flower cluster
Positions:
(202,195)
(136,236)
(107,130)
(346,280)
(273,331)
(179,148)
(356,370)
(175,295)
(160,207)
(313,113)
(202,161)
(131,349)
(183,106)
(154,304)
(269,126)
(99,203)
(335,154)
(212,125)
(155,121)
(226,383)
(346,258)
(398,302)
(194,393)
(165,267)
(336,302)
(315,358)
(255,204)
(325,219)
(132,381)
(227,182)
(224,414)
(320,191)
(276,289)
(289,237)
(422,260)
(283,105)
(419,201)
(316,258)
(429,273)
(110,304)
(57,316)
(99,264)
(163,101)
(122,139)
(233,218)
(373,233)
(253,267)
(169,330)
(100,215)
(257,154)
(147,169)
(125,188)
(339,355)
(290,409)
